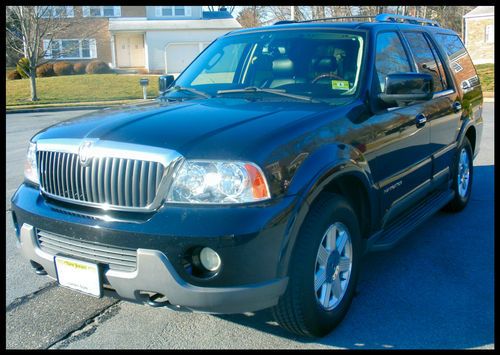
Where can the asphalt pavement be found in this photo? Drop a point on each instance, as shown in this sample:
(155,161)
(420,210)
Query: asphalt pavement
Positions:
(435,290)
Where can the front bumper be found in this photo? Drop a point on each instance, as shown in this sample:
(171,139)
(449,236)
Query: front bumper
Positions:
(155,274)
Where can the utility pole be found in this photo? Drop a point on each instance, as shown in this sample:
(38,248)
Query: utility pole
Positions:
(292,11)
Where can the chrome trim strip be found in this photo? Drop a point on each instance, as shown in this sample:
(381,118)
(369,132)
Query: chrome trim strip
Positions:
(443,93)
(445,150)
(170,159)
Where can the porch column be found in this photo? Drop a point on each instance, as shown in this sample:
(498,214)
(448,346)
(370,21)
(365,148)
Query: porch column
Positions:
(113,53)
(146,51)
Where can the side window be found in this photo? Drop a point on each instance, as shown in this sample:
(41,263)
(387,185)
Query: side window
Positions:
(460,61)
(426,58)
(390,57)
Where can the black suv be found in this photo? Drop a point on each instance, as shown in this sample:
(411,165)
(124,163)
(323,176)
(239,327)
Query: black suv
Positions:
(262,174)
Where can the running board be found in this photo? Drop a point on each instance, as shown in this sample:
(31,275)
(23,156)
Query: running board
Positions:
(397,230)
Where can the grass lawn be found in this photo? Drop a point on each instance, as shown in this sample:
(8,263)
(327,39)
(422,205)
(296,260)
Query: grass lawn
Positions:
(80,88)
(486,73)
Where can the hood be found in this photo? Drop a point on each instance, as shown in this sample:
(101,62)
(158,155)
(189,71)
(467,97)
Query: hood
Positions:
(186,125)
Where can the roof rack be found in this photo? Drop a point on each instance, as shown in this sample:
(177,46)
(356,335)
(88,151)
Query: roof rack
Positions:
(378,18)
(284,22)
(409,19)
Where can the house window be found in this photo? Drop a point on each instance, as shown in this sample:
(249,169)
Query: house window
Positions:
(172,11)
(70,49)
(179,11)
(101,11)
(57,11)
(489,34)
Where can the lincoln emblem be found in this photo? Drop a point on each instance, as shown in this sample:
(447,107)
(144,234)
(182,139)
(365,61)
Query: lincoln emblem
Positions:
(84,152)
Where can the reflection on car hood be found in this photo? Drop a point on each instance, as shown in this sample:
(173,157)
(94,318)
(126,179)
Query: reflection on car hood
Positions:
(184,125)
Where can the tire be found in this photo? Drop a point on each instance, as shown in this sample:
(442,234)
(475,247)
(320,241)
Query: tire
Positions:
(462,195)
(299,309)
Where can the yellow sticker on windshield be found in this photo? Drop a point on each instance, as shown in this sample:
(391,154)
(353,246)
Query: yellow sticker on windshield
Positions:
(340,85)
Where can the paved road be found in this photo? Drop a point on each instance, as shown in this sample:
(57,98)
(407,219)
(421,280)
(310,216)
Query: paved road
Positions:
(435,290)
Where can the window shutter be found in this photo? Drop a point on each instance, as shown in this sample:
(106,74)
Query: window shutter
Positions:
(46,48)
(93,48)
(158,11)
(69,11)
(187,10)
(86,11)
(117,10)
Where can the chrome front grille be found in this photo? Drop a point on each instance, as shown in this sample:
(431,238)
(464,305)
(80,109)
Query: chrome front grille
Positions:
(114,258)
(115,176)
(112,181)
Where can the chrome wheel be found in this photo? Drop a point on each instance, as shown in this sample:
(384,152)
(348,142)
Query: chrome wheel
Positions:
(463,173)
(333,266)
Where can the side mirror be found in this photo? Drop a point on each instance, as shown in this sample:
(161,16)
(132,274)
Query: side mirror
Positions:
(407,87)
(164,82)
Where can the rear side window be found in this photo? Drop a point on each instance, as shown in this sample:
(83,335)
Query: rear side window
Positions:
(460,61)
(390,57)
(427,59)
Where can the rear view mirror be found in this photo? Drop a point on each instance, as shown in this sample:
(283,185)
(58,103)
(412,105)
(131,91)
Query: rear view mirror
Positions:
(164,82)
(407,87)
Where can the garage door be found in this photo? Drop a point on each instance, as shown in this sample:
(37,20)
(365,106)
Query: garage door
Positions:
(179,55)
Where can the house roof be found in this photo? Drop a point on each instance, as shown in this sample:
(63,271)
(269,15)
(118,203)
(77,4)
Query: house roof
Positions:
(207,15)
(142,24)
(481,11)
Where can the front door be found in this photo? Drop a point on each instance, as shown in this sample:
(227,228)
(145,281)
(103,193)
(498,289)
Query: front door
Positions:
(129,50)
(401,163)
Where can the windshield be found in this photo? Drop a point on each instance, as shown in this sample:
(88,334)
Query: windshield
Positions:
(320,64)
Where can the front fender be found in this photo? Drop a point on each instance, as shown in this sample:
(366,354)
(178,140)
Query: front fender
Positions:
(315,173)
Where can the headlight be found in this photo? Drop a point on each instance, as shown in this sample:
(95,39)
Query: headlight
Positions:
(30,170)
(218,182)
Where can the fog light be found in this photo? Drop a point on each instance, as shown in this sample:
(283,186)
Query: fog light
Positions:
(209,259)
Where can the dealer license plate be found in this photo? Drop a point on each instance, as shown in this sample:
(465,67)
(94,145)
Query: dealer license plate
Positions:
(78,275)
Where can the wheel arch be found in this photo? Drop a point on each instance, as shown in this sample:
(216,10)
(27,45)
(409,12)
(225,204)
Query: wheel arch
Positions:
(345,178)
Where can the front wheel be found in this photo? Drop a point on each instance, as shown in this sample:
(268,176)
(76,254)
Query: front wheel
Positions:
(462,178)
(323,269)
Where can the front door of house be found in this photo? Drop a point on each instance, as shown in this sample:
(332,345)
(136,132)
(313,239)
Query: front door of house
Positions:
(129,50)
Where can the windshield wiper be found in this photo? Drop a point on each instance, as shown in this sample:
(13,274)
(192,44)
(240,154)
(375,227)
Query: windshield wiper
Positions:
(191,90)
(253,89)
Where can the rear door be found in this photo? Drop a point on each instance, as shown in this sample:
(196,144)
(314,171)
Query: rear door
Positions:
(444,110)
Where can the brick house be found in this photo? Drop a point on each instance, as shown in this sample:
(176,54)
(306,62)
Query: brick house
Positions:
(157,39)
(479,38)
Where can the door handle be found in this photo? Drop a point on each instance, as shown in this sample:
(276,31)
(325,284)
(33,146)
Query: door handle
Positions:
(457,106)
(420,120)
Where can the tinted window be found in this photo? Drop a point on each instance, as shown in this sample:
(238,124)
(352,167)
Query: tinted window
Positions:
(424,56)
(390,57)
(460,61)
(322,64)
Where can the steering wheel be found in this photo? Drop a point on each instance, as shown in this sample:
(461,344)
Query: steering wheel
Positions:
(329,75)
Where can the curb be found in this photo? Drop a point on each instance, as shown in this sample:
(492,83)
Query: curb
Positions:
(55,109)
(72,108)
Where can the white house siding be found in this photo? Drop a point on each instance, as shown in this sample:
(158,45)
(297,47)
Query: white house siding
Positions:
(158,40)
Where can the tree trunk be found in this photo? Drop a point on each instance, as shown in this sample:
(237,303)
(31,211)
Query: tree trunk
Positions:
(33,84)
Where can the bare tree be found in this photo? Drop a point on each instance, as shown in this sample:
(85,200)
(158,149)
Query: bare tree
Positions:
(251,16)
(29,27)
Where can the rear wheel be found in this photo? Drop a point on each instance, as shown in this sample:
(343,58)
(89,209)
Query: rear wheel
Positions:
(323,269)
(462,178)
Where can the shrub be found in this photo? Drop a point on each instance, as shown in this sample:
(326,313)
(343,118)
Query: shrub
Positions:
(98,67)
(63,68)
(13,75)
(45,70)
(142,71)
(23,67)
(79,68)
